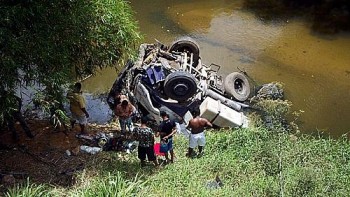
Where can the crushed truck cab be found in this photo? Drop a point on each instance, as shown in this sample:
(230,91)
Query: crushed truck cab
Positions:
(174,79)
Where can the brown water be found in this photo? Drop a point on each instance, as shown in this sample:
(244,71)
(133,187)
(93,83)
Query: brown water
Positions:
(315,69)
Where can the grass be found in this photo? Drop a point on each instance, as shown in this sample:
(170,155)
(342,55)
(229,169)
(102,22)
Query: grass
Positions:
(250,162)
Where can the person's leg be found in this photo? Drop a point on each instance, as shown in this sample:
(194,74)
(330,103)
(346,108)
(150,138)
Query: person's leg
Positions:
(141,155)
(151,156)
(200,149)
(172,155)
(82,128)
(82,122)
(166,155)
(164,149)
(129,124)
(190,152)
(72,123)
(192,144)
(73,120)
(170,147)
(122,124)
(201,143)
(11,126)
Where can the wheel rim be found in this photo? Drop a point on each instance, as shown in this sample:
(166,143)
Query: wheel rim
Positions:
(239,86)
(180,89)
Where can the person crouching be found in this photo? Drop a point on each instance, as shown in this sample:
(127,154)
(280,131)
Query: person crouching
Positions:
(124,111)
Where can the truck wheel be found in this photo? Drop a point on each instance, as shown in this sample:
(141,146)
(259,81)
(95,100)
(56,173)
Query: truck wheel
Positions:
(237,85)
(180,86)
(186,44)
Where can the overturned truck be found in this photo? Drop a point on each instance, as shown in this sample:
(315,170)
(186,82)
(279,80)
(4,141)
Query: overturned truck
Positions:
(174,79)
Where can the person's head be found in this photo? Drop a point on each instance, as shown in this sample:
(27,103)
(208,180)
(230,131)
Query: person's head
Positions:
(163,114)
(77,87)
(195,112)
(144,120)
(125,103)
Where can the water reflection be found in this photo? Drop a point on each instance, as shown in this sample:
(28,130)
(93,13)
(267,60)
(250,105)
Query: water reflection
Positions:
(314,69)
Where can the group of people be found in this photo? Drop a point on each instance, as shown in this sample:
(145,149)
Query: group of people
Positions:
(124,110)
(166,131)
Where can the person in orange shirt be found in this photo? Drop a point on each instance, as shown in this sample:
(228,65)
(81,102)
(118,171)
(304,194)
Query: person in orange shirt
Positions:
(77,107)
(124,111)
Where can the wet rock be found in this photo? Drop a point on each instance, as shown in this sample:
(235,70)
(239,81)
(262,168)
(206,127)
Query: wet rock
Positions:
(272,91)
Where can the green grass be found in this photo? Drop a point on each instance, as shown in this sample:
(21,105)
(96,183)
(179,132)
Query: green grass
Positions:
(250,162)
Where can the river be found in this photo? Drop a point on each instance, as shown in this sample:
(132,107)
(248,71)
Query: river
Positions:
(315,69)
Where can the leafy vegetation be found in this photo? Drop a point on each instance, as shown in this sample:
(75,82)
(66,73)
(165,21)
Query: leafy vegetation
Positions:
(249,162)
(54,43)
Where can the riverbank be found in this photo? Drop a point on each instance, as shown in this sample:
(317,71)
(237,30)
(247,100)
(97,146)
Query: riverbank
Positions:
(249,162)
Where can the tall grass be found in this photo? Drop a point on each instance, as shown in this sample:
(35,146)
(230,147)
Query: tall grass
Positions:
(250,162)
(28,189)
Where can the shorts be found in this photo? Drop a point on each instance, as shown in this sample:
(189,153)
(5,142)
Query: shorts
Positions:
(81,119)
(166,146)
(197,140)
(125,123)
(146,151)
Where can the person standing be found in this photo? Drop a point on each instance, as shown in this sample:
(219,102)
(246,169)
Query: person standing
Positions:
(145,136)
(197,137)
(167,129)
(124,111)
(78,107)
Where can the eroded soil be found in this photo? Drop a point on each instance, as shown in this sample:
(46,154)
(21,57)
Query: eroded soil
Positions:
(44,158)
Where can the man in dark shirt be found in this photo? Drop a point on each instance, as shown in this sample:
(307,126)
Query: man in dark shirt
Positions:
(167,129)
(145,136)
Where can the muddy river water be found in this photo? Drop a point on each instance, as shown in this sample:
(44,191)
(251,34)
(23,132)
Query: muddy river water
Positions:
(315,69)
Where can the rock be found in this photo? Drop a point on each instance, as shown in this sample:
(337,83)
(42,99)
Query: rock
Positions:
(272,91)
(76,150)
(214,184)
(293,138)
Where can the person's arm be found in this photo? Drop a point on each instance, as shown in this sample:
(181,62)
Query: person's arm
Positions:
(85,112)
(173,131)
(131,110)
(152,135)
(157,134)
(159,129)
(19,101)
(117,111)
(208,123)
(82,106)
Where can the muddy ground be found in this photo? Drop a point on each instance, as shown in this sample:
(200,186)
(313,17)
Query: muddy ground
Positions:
(44,158)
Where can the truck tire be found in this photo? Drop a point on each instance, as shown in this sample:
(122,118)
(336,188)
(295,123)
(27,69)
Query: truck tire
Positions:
(237,85)
(186,44)
(180,86)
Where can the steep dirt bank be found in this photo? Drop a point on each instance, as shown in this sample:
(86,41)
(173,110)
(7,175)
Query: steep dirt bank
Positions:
(44,159)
